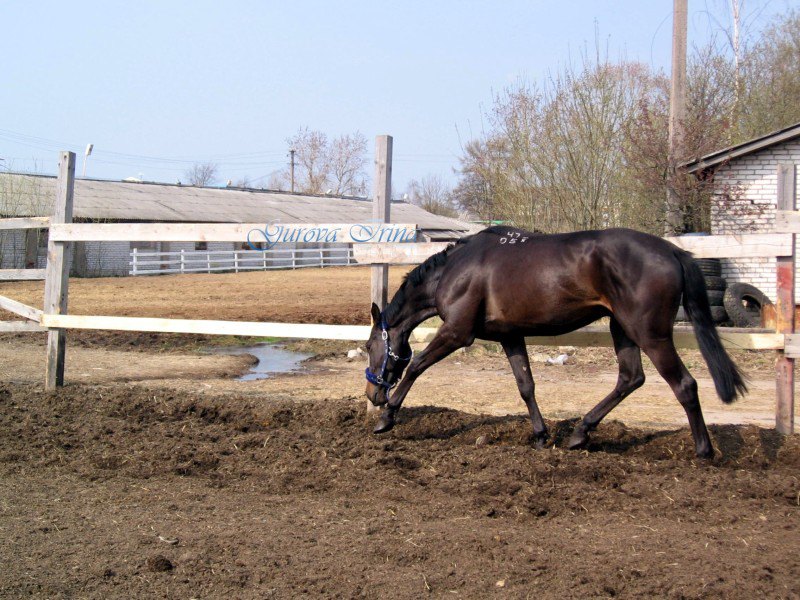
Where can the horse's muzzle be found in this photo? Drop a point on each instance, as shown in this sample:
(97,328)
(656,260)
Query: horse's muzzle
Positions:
(377,395)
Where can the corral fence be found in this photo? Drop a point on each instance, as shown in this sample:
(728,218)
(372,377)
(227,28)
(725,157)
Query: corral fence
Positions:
(54,319)
(219,261)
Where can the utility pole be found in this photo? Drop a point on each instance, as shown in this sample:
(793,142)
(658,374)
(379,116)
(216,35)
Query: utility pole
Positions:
(291,153)
(677,115)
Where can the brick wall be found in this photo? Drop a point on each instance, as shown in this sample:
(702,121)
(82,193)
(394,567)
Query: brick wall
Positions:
(12,249)
(107,259)
(746,203)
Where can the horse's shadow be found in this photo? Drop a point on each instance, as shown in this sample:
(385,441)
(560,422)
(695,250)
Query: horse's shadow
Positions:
(436,423)
(731,442)
(420,423)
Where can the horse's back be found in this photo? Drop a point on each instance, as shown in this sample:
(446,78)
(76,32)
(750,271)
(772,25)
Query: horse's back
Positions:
(561,281)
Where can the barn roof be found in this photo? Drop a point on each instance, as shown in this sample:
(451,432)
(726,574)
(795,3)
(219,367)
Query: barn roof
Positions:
(32,195)
(719,157)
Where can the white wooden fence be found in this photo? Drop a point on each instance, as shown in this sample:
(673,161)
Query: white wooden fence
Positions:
(54,318)
(213,261)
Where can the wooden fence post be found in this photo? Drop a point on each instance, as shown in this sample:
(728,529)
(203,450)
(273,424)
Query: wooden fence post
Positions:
(784,366)
(382,200)
(57,273)
(381,204)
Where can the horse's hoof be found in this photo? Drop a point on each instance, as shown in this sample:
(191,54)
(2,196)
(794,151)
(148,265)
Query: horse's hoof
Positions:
(705,454)
(384,424)
(540,441)
(577,440)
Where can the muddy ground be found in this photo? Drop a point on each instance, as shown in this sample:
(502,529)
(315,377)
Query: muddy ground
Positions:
(154,474)
(122,492)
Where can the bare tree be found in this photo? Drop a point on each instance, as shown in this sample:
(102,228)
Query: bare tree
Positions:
(432,194)
(553,158)
(311,155)
(347,162)
(202,174)
(322,165)
(771,79)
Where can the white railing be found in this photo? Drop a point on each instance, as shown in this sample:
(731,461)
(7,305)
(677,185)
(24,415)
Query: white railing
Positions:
(212,261)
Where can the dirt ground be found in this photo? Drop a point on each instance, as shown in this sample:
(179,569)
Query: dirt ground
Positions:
(154,473)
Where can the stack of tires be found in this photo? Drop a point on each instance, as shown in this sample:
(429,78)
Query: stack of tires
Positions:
(739,304)
(715,286)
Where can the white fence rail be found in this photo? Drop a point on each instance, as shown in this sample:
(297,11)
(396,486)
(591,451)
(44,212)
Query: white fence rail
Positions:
(214,261)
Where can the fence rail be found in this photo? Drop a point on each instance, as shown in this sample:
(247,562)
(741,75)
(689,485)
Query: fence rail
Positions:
(213,261)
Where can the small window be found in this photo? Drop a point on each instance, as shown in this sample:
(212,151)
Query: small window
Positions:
(201,245)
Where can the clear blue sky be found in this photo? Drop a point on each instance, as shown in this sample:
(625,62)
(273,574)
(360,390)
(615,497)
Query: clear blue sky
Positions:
(156,86)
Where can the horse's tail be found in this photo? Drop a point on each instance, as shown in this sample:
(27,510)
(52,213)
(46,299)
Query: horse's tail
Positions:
(728,380)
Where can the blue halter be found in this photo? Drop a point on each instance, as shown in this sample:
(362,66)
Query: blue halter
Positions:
(387,352)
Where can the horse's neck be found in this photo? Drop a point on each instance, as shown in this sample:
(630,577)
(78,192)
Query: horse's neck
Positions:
(419,305)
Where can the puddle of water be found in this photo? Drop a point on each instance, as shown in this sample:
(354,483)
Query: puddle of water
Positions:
(271,360)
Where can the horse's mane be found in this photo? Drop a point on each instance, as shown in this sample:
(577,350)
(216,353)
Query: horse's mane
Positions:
(417,276)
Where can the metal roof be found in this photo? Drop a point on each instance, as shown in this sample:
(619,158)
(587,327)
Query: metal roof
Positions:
(723,156)
(33,195)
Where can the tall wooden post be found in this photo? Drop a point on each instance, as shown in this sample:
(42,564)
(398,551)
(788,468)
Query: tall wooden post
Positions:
(677,115)
(57,272)
(380,212)
(381,204)
(784,367)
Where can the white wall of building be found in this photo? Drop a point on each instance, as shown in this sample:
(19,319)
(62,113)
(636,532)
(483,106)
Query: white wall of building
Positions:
(746,203)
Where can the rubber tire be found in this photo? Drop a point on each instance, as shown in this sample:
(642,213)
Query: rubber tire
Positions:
(744,303)
(715,297)
(715,283)
(718,314)
(709,266)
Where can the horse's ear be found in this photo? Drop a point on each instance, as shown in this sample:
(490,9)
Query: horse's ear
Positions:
(376,314)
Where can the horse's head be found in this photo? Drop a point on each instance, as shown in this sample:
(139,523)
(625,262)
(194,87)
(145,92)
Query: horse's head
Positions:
(389,354)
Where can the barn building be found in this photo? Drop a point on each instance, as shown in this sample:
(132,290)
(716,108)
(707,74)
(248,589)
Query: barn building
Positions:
(745,200)
(99,201)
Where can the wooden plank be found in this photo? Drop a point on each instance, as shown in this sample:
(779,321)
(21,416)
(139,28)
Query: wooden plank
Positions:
(396,254)
(787,221)
(749,245)
(784,310)
(25,223)
(18,308)
(723,246)
(792,349)
(599,336)
(21,327)
(209,327)
(594,335)
(381,206)
(355,233)
(57,275)
(21,274)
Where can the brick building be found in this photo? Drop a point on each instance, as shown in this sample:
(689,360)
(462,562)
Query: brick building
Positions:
(746,184)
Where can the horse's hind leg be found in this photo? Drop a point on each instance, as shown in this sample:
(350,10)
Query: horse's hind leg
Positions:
(631,377)
(520,364)
(670,366)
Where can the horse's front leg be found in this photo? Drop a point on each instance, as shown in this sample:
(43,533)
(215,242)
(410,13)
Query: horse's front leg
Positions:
(517,355)
(445,342)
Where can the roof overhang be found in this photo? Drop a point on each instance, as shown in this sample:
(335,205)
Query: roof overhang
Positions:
(721,157)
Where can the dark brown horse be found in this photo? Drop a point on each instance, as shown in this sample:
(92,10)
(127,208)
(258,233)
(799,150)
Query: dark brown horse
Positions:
(503,284)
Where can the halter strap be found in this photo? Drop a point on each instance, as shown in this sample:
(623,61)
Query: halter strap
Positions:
(380,379)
